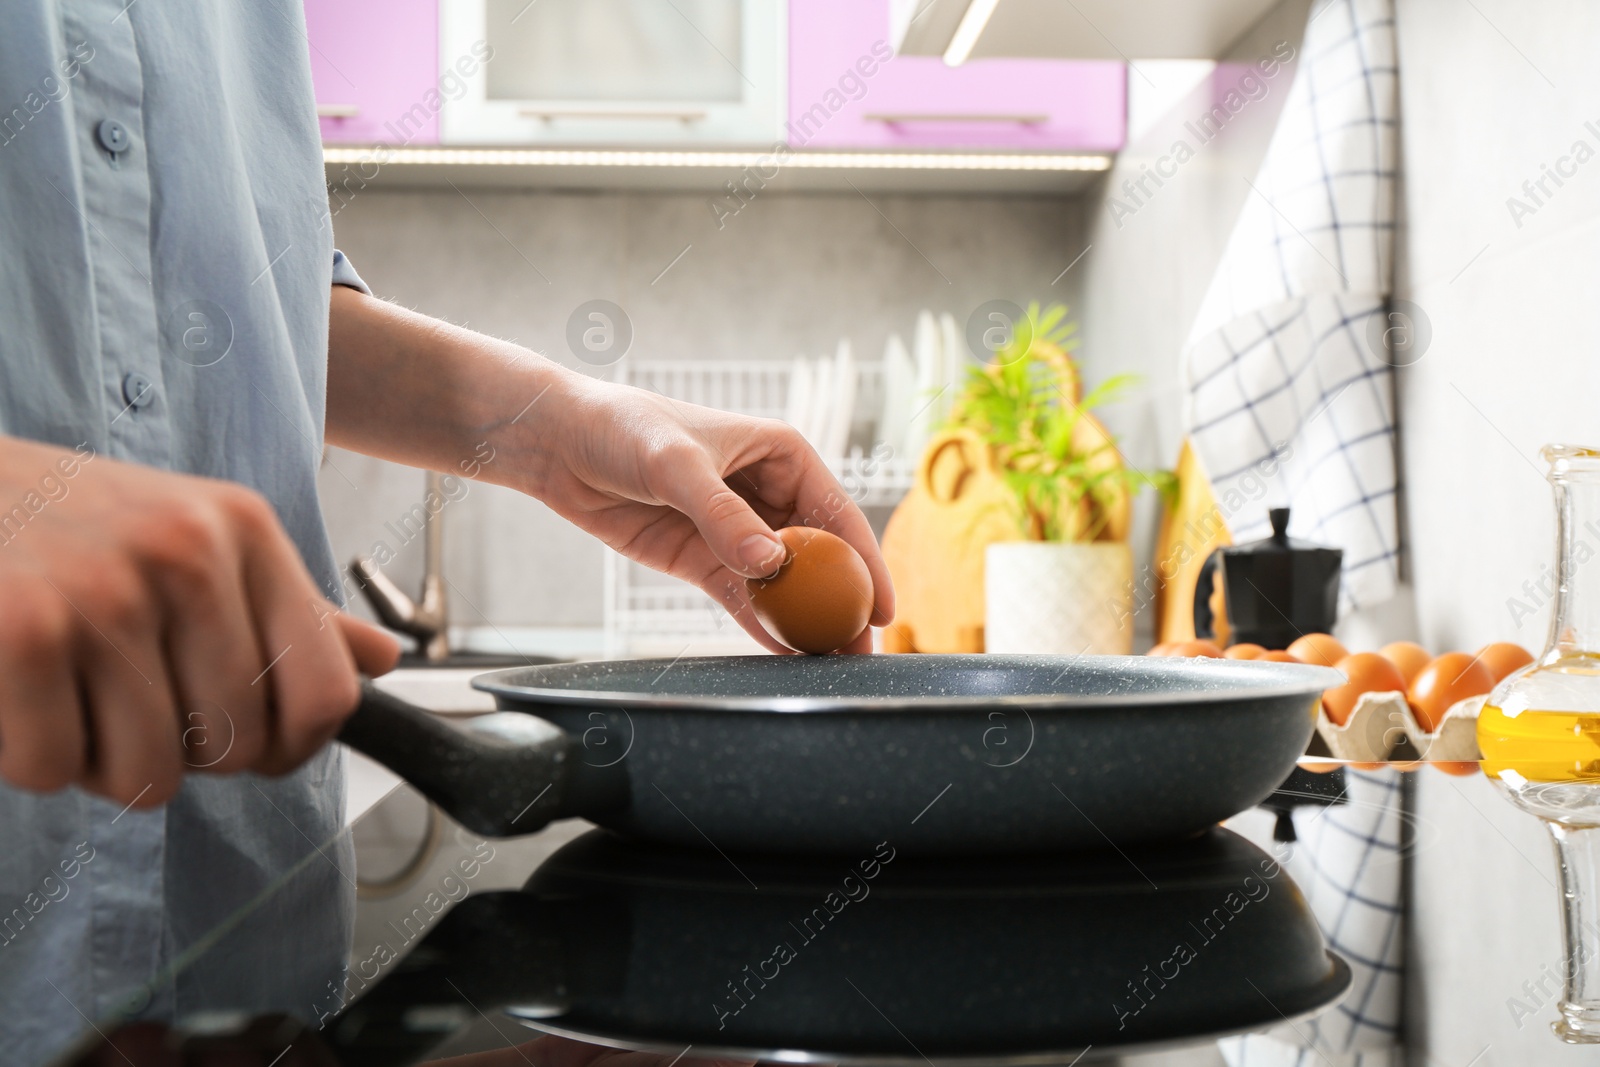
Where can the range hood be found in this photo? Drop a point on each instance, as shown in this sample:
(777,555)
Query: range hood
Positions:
(1072,29)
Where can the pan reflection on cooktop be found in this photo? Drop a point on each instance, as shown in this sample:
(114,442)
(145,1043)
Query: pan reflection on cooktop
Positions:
(878,958)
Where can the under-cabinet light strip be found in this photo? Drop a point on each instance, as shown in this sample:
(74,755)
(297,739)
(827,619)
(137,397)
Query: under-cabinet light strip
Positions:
(543,157)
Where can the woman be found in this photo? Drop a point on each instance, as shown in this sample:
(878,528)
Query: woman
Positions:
(179,339)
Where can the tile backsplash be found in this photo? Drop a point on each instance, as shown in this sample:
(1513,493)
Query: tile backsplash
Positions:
(790,274)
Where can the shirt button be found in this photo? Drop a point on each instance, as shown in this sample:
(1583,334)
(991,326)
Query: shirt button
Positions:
(114,136)
(138,390)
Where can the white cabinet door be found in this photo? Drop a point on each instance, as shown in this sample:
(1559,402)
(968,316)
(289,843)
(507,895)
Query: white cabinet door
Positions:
(654,73)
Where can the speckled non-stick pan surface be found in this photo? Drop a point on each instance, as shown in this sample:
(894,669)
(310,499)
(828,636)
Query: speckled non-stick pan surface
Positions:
(938,754)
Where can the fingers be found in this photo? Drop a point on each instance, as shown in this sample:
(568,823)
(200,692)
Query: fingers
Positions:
(97,698)
(214,657)
(861,645)
(883,603)
(136,757)
(735,598)
(310,673)
(43,745)
(155,623)
(782,470)
(375,650)
(212,650)
(738,537)
(838,514)
(42,736)
(790,476)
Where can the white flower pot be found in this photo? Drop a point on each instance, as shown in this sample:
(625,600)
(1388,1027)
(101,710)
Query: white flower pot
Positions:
(1057,598)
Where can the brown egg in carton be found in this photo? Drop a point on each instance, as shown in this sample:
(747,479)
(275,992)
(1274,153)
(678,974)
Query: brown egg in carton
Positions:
(1380,721)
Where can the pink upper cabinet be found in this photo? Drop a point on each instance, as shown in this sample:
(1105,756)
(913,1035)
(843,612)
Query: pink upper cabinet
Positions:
(843,92)
(375,65)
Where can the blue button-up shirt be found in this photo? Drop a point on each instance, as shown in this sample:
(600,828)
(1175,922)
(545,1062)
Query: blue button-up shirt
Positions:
(165,262)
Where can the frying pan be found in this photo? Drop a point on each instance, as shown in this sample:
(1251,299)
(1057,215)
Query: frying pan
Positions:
(940,755)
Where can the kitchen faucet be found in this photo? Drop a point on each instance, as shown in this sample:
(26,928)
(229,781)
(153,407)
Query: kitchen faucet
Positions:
(425,619)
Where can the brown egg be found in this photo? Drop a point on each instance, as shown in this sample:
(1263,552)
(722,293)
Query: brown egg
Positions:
(1409,656)
(1276,655)
(1322,649)
(1368,672)
(1243,650)
(1452,677)
(1459,768)
(821,598)
(1188,649)
(1503,657)
(1163,649)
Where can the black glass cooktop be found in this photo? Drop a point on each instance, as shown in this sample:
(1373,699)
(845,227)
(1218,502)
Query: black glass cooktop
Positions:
(877,958)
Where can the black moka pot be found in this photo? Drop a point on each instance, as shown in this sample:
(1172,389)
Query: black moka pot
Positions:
(1275,590)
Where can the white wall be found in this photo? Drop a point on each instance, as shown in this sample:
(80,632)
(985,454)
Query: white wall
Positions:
(1514,363)
(1491,91)
(789,274)
(1147,272)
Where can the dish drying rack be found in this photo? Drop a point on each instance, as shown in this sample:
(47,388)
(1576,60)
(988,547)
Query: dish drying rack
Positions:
(649,613)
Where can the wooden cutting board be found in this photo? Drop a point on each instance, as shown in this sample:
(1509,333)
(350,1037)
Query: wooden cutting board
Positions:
(934,546)
(1190,531)
(934,543)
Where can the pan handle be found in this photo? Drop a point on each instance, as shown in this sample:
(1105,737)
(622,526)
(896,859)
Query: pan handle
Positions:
(507,775)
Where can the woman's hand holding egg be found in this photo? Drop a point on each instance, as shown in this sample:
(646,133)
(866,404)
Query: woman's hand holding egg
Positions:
(690,491)
(820,600)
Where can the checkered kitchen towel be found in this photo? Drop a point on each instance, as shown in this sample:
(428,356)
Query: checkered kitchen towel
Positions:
(1290,355)
(1290,348)
(1347,861)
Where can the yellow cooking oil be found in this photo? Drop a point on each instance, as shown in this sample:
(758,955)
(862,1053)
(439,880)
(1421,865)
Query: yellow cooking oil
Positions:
(1540,746)
(1544,723)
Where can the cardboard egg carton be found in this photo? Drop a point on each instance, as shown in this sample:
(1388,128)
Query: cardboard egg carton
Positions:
(1379,722)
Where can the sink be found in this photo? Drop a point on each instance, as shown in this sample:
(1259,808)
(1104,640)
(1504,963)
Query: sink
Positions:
(445,686)
(479,661)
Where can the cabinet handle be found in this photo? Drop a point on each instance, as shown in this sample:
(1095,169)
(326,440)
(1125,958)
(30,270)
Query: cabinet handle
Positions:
(899,117)
(549,114)
(337,111)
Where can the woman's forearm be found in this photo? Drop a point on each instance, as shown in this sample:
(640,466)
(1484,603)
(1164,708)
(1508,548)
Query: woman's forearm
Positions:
(422,392)
(690,491)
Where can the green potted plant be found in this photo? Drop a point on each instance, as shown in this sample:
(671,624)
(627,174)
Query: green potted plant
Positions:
(1066,586)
